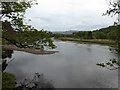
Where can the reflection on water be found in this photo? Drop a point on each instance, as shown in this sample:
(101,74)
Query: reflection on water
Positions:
(38,82)
(73,67)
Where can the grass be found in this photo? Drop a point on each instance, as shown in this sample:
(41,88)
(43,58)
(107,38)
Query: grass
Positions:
(8,80)
(96,41)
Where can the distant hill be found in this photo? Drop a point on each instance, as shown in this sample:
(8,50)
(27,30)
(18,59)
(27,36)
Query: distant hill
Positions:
(64,32)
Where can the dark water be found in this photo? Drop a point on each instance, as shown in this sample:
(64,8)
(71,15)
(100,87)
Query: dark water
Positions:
(73,67)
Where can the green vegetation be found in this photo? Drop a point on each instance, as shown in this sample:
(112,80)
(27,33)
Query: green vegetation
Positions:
(103,33)
(106,33)
(97,41)
(8,80)
(29,39)
(114,8)
(17,33)
(106,36)
(13,13)
(69,39)
(26,36)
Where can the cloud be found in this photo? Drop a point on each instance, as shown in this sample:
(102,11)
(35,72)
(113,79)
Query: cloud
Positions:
(65,15)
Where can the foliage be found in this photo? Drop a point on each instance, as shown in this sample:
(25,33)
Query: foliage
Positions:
(84,34)
(13,12)
(114,8)
(29,39)
(106,33)
(8,80)
(103,33)
(17,33)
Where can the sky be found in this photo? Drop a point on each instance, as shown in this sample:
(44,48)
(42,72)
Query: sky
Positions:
(64,15)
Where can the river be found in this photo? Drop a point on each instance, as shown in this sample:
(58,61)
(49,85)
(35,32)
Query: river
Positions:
(73,67)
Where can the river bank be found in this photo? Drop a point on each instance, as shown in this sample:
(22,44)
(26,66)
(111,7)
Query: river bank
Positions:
(94,41)
(28,50)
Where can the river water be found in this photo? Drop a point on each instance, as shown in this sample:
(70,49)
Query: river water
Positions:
(73,67)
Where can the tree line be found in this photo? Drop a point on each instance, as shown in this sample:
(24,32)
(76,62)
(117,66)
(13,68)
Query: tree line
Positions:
(103,33)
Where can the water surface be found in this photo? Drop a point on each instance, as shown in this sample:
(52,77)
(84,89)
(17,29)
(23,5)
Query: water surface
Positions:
(73,67)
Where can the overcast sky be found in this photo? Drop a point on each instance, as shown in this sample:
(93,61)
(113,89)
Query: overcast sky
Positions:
(64,15)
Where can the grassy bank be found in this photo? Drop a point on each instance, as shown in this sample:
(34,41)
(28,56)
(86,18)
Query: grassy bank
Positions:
(96,41)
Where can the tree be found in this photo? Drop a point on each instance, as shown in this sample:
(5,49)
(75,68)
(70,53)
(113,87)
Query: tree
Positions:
(90,36)
(29,39)
(114,8)
(20,35)
(16,32)
(13,12)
